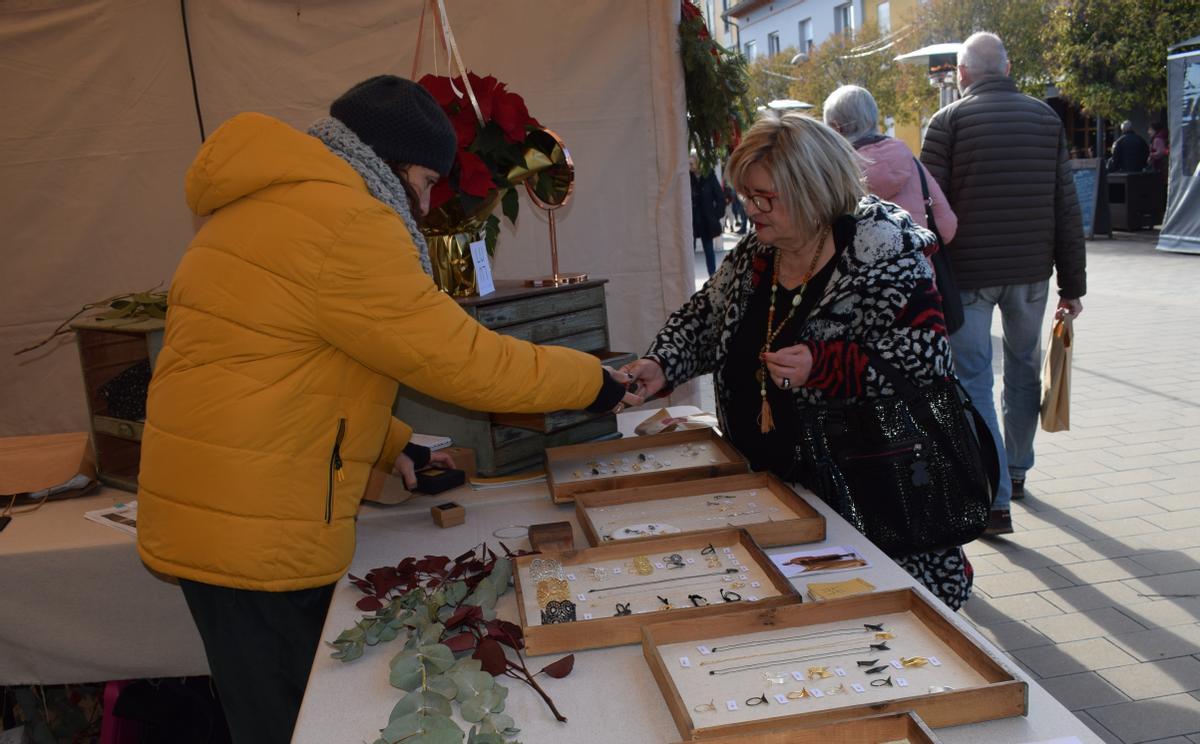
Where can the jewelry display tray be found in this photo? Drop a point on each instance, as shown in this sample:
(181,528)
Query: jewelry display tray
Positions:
(563,463)
(975,685)
(606,629)
(688,504)
(889,728)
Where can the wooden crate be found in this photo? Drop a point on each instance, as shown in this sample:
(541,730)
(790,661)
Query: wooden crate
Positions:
(764,586)
(106,349)
(573,315)
(984,688)
(689,502)
(563,462)
(889,728)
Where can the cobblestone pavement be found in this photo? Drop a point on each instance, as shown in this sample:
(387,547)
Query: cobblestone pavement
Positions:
(1097,593)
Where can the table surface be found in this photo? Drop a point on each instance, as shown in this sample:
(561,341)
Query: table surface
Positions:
(87,610)
(611,695)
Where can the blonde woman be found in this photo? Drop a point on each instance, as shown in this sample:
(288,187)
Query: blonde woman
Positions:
(827,274)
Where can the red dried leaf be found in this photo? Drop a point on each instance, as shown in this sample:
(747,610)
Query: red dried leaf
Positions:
(464,614)
(507,633)
(461,642)
(560,668)
(491,655)
(369,604)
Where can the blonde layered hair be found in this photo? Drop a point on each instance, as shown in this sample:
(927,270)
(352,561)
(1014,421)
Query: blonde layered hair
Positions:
(815,170)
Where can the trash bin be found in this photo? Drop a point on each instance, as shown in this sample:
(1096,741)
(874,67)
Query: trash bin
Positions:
(1136,200)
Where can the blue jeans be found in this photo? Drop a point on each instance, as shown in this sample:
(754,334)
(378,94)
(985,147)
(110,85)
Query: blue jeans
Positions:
(1022,311)
(710,255)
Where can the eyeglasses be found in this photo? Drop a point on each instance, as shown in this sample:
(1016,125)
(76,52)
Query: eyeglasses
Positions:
(763,201)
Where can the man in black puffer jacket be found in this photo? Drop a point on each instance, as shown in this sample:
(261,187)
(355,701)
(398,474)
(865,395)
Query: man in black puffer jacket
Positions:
(1000,156)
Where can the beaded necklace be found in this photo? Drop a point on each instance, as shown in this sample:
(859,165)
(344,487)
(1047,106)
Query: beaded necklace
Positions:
(765,420)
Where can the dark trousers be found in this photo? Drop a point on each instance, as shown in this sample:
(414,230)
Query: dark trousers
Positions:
(739,214)
(710,256)
(260,647)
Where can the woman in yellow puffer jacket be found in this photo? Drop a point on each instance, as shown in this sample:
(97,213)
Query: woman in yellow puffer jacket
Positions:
(298,307)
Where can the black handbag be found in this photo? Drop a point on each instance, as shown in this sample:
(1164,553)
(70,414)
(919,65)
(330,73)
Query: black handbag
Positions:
(913,472)
(952,307)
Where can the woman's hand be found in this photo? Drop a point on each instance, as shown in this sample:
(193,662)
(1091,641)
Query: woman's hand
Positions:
(644,377)
(632,393)
(404,468)
(789,367)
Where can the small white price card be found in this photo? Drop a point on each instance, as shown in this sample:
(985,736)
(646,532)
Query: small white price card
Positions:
(483,268)
(684,662)
(704,650)
(781,699)
(731,705)
(857,687)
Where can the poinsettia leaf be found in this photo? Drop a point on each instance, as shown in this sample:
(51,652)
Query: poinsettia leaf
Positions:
(461,642)
(463,614)
(368,604)
(491,655)
(560,668)
(510,204)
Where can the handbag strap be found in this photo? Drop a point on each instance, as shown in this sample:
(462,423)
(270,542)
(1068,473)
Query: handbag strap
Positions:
(928,203)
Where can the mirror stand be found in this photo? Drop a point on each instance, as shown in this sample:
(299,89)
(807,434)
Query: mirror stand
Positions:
(551,189)
(555,279)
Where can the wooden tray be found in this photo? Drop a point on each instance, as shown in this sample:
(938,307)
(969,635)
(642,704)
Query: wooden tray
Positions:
(793,522)
(563,462)
(981,687)
(890,728)
(762,585)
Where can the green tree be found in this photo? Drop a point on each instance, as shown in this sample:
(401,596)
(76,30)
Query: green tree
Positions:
(1110,56)
(866,59)
(1018,23)
(771,77)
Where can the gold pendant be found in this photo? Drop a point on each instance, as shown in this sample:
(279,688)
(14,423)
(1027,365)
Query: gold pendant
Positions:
(758,375)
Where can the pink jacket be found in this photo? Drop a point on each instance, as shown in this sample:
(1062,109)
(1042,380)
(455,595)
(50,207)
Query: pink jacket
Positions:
(892,176)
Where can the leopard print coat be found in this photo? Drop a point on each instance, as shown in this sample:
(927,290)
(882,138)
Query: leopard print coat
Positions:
(881,296)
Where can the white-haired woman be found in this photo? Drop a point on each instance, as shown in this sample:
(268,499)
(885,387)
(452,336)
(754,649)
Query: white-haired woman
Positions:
(888,164)
(786,322)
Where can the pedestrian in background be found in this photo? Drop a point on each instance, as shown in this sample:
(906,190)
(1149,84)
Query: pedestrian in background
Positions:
(1160,148)
(1000,157)
(708,208)
(1129,152)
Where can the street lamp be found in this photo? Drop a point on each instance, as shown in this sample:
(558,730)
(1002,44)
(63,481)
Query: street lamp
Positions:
(941,60)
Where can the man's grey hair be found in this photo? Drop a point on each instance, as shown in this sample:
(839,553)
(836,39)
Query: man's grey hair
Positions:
(852,111)
(983,55)
(1126,126)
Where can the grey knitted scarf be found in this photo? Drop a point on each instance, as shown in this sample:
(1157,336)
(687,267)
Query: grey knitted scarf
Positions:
(383,184)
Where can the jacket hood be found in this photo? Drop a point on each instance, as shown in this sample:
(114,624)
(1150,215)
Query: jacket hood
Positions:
(888,165)
(251,152)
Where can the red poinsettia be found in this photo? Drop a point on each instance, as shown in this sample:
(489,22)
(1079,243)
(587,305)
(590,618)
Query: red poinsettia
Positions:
(487,151)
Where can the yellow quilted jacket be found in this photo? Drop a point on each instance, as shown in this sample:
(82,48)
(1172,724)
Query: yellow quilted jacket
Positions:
(298,306)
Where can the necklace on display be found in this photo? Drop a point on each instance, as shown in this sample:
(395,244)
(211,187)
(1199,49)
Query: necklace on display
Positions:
(640,584)
(808,657)
(876,628)
(874,647)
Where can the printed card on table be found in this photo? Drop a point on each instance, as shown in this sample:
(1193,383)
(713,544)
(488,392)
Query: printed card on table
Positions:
(830,558)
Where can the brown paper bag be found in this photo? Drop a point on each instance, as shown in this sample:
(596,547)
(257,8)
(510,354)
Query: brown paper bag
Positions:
(1056,378)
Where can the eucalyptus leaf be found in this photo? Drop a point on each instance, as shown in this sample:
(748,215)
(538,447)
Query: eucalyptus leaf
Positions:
(474,709)
(467,664)
(501,575)
(443,685)
(437,656)
(484,595)
(489,613)
(418,729)
(477,738)
(350,634)
(456,592)
(407,671)
(430,633)
(422,702)
(372,633)
(498,723)
(471,684)
(387,633)
(348,651)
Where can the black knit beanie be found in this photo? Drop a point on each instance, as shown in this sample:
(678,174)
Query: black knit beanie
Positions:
(399,120)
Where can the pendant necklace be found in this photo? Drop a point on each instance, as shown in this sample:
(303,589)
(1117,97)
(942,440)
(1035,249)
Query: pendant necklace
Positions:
(765,420)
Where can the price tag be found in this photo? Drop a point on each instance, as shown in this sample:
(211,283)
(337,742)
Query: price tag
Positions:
(570,577)
(690,561)
(896,663)
(901,682)
(934,660)
(752,598)
(731,705)
(616,571)
(483,268)
(781,699)
(659,566)
(752,505)
(743,577)
(816,693)
(857,687)
(587,616)
(581,597)
(798,676)
(684,662)
(839,671)
(727,550)
(755,584)
(704,650)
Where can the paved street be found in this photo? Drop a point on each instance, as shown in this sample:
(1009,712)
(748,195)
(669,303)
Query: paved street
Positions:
(1097,594)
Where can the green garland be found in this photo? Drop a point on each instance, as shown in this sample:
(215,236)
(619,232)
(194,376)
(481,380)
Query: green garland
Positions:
(717,86)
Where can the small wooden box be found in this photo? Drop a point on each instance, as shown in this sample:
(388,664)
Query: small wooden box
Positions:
(557,537)
(568,469)
(741,561)
(890,728)
(448,514)
(106,349)
(965,685)
(690,506)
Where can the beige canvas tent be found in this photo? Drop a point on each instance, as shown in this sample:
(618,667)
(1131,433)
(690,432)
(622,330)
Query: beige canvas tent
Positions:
(101,123)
